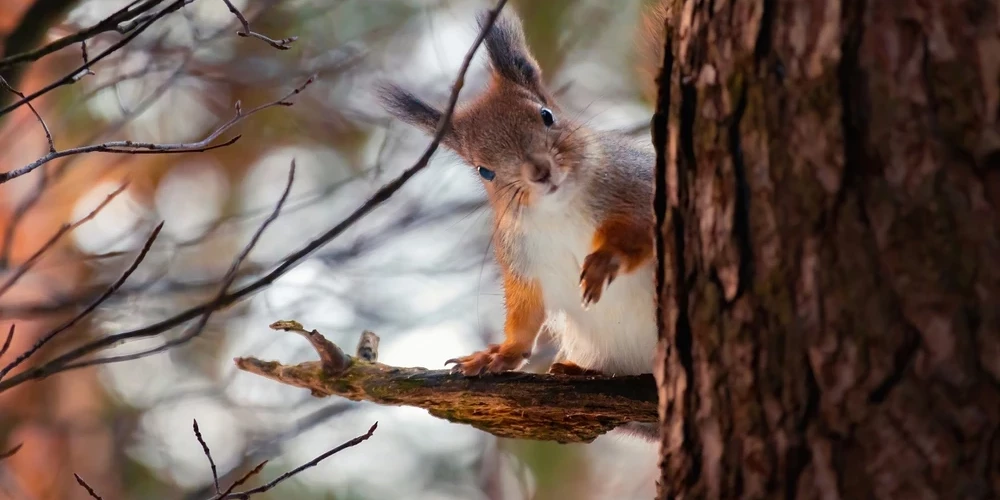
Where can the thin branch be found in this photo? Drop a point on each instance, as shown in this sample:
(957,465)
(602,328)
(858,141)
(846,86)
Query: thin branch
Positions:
(131,147)
(74,75)
(86,58)
(6,343)
(20,211)
(9,453)
(30,202)
(81,482)
(62,363)
(283,44)
(66,228)
(89,309)
(401,227)
(110,23)
(227,281)
(48,135)
(243,479)
(312,463)
(208,454)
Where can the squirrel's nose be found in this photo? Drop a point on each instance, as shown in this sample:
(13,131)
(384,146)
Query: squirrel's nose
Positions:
(539,170)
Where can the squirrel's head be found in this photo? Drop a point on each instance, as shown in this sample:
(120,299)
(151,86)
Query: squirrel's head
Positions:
(513,133)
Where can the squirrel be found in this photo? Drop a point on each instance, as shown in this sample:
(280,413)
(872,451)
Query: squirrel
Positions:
(573,215)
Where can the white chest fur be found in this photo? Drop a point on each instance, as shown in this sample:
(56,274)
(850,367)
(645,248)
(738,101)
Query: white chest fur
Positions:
(617,335)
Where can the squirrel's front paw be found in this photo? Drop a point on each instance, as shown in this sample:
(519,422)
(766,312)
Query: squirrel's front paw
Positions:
(599,270)
(495,358)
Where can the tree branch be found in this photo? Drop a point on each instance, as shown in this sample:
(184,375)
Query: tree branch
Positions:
(22,269)
(90,491)
(75,75)
(243,495)
(227,281)
(9,453)
(111,23)
(208,455)
(512,405)
(48,135)
(45,339)
(62,363)
(283,44)
(135,148)
(35,24)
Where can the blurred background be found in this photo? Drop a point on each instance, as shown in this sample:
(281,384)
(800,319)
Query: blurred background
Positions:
(418,271)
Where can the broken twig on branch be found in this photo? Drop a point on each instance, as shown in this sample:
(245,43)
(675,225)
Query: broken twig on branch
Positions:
(514,405)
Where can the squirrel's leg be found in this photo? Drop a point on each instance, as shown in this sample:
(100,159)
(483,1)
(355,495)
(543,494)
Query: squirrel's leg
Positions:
(620,244)
(525,315)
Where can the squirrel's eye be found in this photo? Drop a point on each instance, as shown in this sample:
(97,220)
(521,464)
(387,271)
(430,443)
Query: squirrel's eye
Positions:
(547,117)
(486,173)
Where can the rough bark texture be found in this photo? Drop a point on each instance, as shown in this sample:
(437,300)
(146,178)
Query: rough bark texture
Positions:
(520,405)
(834,324)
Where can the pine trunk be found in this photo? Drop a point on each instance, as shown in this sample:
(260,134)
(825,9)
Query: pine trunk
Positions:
(831,237)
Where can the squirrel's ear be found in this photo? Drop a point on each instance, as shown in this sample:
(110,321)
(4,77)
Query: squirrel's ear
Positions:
(508,52)
(413,110)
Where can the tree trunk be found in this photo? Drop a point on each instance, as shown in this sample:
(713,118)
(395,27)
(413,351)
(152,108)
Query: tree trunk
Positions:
(831,298)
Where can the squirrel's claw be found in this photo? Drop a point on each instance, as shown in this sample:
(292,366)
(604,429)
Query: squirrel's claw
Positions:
(489,360)
(599,270)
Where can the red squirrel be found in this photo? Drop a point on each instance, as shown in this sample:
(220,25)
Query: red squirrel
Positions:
(573,216)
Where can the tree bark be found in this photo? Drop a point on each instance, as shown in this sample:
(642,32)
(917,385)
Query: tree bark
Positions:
(831,296)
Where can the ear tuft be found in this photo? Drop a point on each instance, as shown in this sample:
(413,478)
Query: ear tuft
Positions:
(411,109)
(407,107)
(508,52)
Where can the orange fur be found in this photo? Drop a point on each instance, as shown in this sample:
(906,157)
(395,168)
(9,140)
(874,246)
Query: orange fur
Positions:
(649,41)
(621,243)
(627,238)
(525,315)
(572,369)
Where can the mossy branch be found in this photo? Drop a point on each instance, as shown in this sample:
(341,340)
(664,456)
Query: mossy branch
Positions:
(561,408)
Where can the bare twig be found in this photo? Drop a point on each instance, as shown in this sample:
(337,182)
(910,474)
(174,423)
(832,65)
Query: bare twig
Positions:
(9,453)
(86,58)
(20,211)
(48,135)
(312,463)
(6,343)
(333,360)
(243,479)
(93,494)
(66,228)
(110,23)
(62,363)
(259,447)
(75,74)
(48,177)
(283,44)
(208,455)
(411,222)
(227,281)
(131,147)
(89,309)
